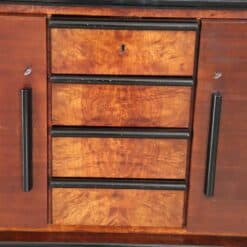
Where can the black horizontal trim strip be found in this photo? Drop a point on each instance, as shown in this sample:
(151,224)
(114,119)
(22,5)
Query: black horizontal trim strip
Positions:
(216,4)
(59,244)
(115,23)
(97,183)
(122,80)
(119,132)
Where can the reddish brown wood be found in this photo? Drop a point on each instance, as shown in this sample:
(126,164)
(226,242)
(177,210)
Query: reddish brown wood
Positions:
(74,234)
(109,207)
(141,238)
(108,105)
(119,158)
(158,52)
(223,49)
(123,11)
(22,44)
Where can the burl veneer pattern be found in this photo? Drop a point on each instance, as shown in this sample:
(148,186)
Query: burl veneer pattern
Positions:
(125,158)
(85,51)
(109,207)
(116,105)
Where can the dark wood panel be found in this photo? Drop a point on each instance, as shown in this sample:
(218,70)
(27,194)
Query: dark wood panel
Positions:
(116,105)
(108,207)
(119,158)
(223,50)
(124,52)
(19,37)
(141,238)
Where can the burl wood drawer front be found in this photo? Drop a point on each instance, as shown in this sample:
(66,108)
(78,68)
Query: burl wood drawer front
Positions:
(110,207)
(119,158)
(117,105)
(124,52)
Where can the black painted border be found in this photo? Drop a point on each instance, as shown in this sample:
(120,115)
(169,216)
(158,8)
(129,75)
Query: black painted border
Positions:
(198,4)
(119,132)
(99,183)
(120,23)
(122,80)
(213,136)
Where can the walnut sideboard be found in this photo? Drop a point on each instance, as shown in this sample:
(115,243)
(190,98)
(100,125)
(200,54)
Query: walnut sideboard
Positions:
(123,123)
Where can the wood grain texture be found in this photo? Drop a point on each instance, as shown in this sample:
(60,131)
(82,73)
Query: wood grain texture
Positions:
(123,12)
(113,105)
(103,207)
(223,49)
(19,37)
(83,234)
(80,51)
(140,238)
(119,158)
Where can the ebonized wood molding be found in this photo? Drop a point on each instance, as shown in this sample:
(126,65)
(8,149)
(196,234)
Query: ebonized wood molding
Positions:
(144,184)
(118,23)
(216,4)
(122,80)
(119,132)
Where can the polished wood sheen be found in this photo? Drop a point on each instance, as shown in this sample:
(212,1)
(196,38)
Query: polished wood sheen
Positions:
(109,207)
(116,105)
(123,11)
(119,158)
(170,237)
(19,37)
(220,221)
(223,50)
(81,51)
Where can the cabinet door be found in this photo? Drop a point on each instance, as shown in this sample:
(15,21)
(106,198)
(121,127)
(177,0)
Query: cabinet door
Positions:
(23,122)
(218,186)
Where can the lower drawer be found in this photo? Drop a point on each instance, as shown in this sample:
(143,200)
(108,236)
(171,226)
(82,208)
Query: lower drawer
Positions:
(119,157)
(117,207)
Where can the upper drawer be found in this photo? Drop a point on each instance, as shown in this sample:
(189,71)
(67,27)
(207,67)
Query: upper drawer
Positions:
(122,47)
(121,105)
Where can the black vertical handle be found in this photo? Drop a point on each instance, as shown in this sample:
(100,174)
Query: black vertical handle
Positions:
(26,121)
(213,143)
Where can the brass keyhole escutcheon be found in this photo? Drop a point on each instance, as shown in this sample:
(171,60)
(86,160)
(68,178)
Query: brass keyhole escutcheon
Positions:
(122,49)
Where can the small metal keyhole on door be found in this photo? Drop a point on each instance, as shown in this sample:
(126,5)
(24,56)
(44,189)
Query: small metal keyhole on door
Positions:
(28,71)
(217,75)
(122,49)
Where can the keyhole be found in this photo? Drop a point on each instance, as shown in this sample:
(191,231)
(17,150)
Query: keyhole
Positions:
(28,71)
(217,75)
(122,48)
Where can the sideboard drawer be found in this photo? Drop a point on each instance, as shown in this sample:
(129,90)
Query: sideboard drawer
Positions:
(119,158)
(112,207)
(118,105)
(126,48)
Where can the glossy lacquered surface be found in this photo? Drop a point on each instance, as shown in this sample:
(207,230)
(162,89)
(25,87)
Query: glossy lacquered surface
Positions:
(119,158)
(108,207)
(127,234)
(19,37)
(122,51)
(222,50)
(119,105)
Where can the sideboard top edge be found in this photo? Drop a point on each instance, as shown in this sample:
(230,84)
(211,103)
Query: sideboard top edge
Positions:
(199,4)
